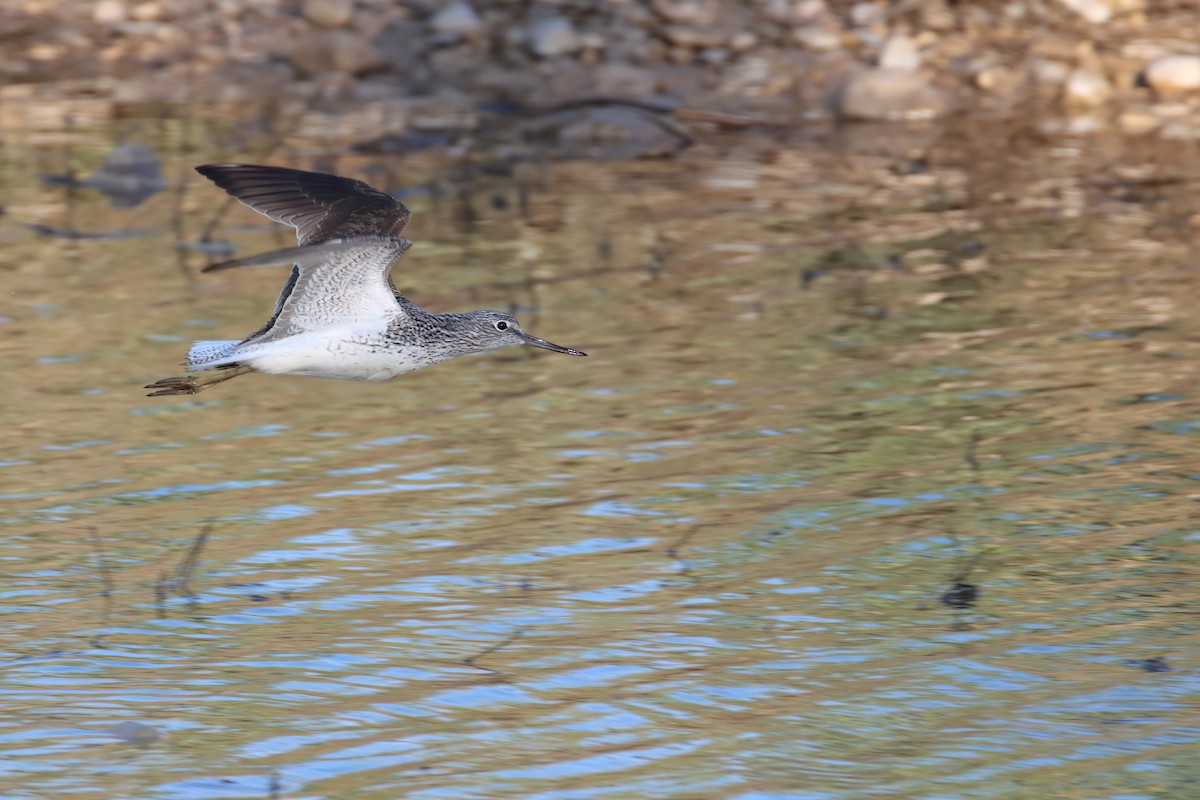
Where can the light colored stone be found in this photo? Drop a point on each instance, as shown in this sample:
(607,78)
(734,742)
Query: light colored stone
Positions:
(1184,129)
(995,78)
(147,12)
(818,38)
(1049,73)
(458,17)
(741,41)
(108,12)
(1137,122)
(867,15)
(690,12)
(1096,12)
(1174,74)
(899,52)
(1086,88)
(552,36)
(880,94)
(694,36)
(329,13)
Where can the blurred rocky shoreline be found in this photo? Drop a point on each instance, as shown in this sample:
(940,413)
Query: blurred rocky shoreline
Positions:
(1082,65)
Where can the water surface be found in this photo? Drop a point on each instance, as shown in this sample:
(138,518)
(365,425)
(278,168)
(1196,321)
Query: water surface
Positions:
(828,384)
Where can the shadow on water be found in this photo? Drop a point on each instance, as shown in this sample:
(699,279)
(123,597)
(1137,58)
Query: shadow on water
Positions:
(879,482)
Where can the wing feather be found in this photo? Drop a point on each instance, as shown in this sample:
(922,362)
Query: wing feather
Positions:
(320,207)
(339,282)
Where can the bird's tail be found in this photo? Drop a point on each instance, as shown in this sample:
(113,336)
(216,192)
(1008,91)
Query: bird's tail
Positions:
(204,353)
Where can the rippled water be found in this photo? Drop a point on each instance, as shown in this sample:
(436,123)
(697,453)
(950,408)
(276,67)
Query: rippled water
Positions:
(830,397)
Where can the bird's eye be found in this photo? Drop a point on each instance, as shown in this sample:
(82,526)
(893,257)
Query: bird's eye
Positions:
(501,325)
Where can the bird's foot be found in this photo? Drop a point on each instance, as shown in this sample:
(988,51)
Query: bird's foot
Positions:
(182,384)
(191,384)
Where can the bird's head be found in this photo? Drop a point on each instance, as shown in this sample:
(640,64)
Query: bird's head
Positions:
(491,330)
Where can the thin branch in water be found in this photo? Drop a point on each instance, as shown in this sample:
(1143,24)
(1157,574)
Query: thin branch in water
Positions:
(971,456)
(72,182)
(286,130)
(472,661)
(685,566)
(160,595)
(181,187)
(106,580)
(187,565)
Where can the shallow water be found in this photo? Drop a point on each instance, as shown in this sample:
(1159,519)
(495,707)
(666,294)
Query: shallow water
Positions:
(829,383)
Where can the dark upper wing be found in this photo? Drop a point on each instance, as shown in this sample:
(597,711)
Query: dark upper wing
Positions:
(317,205)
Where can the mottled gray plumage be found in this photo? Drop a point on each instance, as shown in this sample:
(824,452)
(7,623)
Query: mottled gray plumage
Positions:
(339,314)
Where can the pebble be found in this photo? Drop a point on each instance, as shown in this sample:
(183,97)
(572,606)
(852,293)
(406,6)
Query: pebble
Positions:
(741,41)
(336,51)
(328,13)
(1184,129)
(887,94)
(867,15)
(693,36)
(1096,12)
(1048,73)
(457,18)
(134,733)
(552,36)
(147,12)
(1172,74)
(108,12)
(1138,122)
(693,12)
(818,38)
(616,132)
(616,78)
(900,52)
(995,78)
(1086,89)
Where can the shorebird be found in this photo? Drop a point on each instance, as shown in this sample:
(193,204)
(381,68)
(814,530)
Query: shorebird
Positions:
(339,314)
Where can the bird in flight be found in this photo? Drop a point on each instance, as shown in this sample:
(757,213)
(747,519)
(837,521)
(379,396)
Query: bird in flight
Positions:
(339,314)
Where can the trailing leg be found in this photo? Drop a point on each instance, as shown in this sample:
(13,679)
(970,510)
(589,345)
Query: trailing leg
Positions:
(191,384)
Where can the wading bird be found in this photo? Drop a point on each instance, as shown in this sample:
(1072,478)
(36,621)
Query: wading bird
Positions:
(339,314)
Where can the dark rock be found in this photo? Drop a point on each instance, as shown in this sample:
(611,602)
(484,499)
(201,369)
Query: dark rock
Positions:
(612,132)
(336,51)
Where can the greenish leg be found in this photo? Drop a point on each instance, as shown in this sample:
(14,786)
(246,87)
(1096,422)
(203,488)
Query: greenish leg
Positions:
(191,384)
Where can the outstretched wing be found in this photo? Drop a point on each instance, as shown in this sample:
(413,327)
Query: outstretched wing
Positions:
(336,283)
(320,207)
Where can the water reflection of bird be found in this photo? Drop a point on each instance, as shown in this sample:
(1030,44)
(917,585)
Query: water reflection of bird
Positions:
(130,175)
(339,314)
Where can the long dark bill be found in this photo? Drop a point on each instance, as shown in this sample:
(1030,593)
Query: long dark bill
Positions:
(557,348)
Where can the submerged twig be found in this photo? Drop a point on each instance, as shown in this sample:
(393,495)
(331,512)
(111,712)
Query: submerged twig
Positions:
(287,129)
(962,594)
(472,661)
(106,580)
(160,595)
(177,581)
(183,571)
(181,187)
(971,456)
(72,182)
(685,566)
